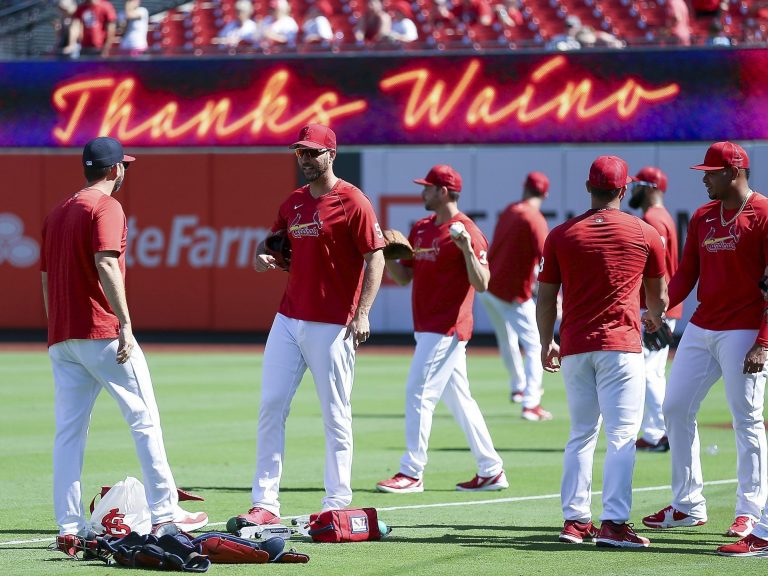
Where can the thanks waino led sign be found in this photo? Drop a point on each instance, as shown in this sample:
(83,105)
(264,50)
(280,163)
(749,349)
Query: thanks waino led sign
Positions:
(619,96)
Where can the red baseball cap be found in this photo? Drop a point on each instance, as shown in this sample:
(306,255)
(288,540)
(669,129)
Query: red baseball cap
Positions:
(722,154)
(609,173)
(403,7)
(316,136)
(653,176)
(442,175)
(539,182)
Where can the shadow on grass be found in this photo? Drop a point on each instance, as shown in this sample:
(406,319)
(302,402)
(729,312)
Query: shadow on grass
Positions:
(247,489)
(524,450)
(536,541)
(22,531)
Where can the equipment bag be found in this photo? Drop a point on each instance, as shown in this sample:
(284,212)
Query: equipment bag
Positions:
(349,525)
(123,509)
(224,548)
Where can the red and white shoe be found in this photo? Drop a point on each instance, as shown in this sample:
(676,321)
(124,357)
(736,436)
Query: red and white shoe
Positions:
(256,516)
(615,535)
(484,483)
(189,521)
(644,446)
(536,414)
(575,532)
(400,484)
(516,397)
(669,517)
(749,546)
(742,527)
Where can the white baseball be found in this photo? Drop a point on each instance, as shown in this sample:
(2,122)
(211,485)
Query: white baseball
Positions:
(456,229)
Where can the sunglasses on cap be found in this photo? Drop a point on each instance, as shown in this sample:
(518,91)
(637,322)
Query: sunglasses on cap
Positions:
(311,152)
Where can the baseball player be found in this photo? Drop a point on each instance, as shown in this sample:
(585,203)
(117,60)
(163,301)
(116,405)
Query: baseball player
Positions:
(513,259)
(726,251)
(335,272)
(600,259)
(91,343)
(449,264)
(648,192)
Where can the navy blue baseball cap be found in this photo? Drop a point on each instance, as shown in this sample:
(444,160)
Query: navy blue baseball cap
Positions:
(103,152)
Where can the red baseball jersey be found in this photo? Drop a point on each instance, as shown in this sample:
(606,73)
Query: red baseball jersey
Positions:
(518,243)
(329,237)
(600,258)
(728,262)
(73,232)
(442,296)
(659,218)
(95,18)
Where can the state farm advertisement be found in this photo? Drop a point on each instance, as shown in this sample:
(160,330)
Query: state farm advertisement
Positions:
(194,222)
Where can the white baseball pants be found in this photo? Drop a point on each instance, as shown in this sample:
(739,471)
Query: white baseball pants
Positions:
(439,370)
(602,387)
(653,428)
(761,528)
(515,324)
(292,347)
(701,358)
(81,368)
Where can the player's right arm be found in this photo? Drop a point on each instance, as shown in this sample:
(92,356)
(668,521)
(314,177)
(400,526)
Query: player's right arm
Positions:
(687,273)
(45,291)
(263,261)
(111,279)
(546,315)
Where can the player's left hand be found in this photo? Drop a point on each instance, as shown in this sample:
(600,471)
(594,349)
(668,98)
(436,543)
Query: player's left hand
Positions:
(651,322)
(550,357)
(359,329)
(125,343)
(755,359)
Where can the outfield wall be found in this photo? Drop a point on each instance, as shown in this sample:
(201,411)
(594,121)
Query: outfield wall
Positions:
(195,219)
(211,134)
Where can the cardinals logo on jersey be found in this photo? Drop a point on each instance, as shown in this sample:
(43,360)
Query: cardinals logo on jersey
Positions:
(713,243)
(298,229)
(114,523)
(426,253)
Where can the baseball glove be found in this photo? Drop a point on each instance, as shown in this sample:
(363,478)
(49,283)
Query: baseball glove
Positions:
(278,246)
(662,338)
(398,247)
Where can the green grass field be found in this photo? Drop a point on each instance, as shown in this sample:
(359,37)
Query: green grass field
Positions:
(209,404)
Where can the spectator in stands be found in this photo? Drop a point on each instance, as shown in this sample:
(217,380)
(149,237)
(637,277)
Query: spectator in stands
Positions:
(134,23)
(94,27)
(316,27)
(708,8)
(441,15)
(567,41)
(374,25)
(717,35)
(63,22)
(279,27)
(403,28)
(588,37)
(243,29)
(678,24)
(508,13)
(473,12)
